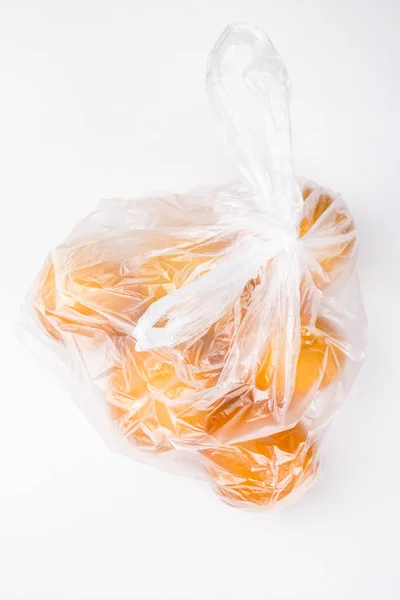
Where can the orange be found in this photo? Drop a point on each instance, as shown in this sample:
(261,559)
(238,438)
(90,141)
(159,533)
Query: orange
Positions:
(139,418)
(319,363)
(262,471)
(63,310)
(147,400)
(54,312)
(96,293)
(105,286)
(330,223)
(101,289)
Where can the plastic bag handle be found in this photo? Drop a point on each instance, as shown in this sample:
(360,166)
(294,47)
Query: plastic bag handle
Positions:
(252,104)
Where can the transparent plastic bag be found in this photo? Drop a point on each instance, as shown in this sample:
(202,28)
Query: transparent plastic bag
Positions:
(216,331)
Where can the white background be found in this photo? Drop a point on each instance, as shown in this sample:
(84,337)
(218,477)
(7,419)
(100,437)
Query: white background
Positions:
(101,99)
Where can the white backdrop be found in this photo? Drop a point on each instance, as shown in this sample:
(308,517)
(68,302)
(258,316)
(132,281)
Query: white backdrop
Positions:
(106,98)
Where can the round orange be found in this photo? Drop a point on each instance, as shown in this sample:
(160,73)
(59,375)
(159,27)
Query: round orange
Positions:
(148,400)
(140,420)
(262,471)
(96,293)
(65,310)
(105,287)
(57,313)
(319,363)
(102,287)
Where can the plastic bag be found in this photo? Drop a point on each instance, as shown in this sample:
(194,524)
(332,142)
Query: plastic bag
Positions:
(217,331)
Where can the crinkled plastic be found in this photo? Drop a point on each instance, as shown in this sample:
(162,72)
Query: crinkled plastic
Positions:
(216,331)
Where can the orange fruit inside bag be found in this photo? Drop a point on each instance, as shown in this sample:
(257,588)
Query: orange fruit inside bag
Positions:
(59,313)
(138,390)
(85,298)
(262,471)
(95,291)
(318,365)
